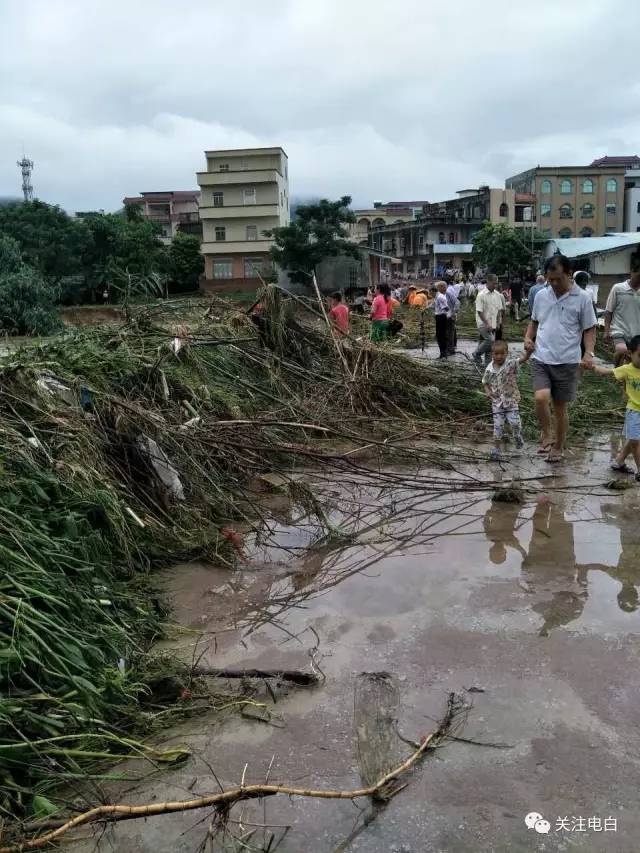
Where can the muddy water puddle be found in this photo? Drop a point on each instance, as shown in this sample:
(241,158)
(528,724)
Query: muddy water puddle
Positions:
(528,609)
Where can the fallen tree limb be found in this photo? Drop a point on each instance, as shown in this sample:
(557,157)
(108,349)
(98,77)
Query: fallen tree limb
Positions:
(226,799)
(294,675)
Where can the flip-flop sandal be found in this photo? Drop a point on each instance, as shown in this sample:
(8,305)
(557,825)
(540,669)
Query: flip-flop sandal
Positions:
(622,468)
(544,448)
(555,459)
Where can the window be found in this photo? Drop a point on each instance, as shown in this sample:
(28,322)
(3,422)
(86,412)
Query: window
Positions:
(441,237)
(378,222)
(224,167)
(587,211)
(281,199)
(612,185)
(566,187)
(566,211)
(611,230)
(218,199)
(504,209)
(244,164)
(252,267)
(222,269)
(586,232)
(546,232)
(353,276)
(545,187)
(421,240)
(545,210)
(564,233)
(638,208)
(452,237)
(252,232)
(587,186)
(249,196)
(611,210)
(221,232)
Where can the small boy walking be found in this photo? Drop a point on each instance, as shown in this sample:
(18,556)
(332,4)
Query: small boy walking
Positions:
(630,375)
(500,383)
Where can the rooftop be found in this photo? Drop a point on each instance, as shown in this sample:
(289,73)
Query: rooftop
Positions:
(163,195)
(242,152)
(626,160)
(576,247)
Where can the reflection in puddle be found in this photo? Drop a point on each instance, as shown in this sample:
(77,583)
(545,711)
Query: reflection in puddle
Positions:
(399,559)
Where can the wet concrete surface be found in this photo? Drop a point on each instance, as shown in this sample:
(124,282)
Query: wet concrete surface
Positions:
(529,610)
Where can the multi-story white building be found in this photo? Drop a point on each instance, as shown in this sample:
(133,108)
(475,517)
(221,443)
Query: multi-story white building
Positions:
(243,193)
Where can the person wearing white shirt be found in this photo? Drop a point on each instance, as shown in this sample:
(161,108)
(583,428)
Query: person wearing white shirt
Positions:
(563,316)
(622,313)
(490,310)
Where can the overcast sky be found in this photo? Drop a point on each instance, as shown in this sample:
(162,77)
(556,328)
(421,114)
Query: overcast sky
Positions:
(379,100)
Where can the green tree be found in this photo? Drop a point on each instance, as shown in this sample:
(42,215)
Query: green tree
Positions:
(49,240)
(501,248)
(185,263)
(119,244)
(26,303)
(317,233)
(10,257)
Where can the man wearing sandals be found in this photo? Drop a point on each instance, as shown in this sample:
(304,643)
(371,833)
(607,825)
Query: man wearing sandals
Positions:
(562,315)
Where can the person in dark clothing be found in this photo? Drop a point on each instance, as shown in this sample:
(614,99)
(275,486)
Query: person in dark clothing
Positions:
(442,312)
(516,297)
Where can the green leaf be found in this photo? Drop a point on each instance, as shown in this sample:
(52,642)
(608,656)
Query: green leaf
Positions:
(42,807)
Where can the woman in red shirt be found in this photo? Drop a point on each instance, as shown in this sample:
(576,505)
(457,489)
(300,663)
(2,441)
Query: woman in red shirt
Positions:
(381,311)
(339,313)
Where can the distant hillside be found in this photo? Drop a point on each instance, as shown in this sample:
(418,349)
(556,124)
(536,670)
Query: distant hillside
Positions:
(8,199)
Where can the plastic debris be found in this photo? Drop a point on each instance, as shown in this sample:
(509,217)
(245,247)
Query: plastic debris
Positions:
(164,470)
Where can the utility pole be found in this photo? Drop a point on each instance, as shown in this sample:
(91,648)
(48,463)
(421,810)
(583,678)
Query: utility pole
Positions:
(26,167)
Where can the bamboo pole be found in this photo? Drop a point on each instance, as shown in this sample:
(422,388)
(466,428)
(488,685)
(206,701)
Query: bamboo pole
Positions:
(116,812)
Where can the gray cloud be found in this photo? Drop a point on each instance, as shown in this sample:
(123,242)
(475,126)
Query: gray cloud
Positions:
(369,97)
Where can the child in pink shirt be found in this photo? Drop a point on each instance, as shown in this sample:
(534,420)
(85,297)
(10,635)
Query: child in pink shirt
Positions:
(381,310)
(339,313)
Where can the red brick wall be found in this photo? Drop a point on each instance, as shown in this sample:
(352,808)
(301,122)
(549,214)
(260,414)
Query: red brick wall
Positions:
(238,282)
(229,285)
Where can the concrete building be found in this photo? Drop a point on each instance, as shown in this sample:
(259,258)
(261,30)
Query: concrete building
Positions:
(607,259)
(632,196)
(383,214)
(577,201)
(443,234)
(244,192)
(175,210)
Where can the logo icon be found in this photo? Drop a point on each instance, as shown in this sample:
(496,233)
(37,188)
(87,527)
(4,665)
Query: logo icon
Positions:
(534,820)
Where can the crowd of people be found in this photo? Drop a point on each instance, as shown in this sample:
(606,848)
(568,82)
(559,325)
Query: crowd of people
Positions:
(559,341)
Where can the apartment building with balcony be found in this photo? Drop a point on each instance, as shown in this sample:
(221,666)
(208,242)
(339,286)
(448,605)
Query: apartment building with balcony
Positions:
(578,201)
(381,213)
(173,211)
(443,233)
(243,193)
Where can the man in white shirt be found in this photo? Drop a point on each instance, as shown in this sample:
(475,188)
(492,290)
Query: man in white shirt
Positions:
(562,315)
(622,313)
(454,307)
(490,310)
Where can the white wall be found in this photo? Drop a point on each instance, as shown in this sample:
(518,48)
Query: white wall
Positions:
(236,228)
(631,215)
(613,263)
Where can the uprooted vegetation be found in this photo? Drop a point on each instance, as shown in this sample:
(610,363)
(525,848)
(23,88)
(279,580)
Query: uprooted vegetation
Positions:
(125,448)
